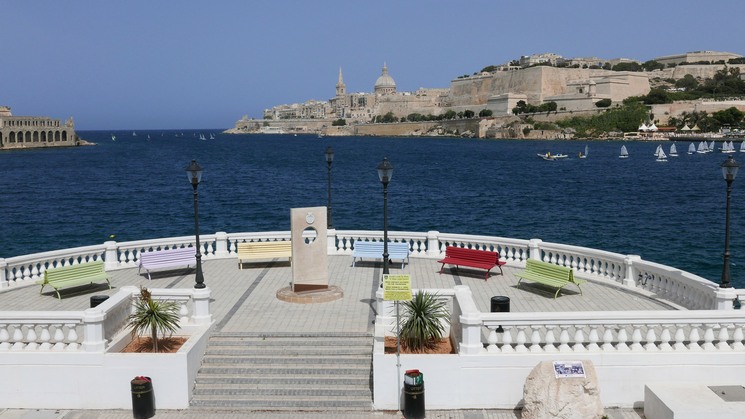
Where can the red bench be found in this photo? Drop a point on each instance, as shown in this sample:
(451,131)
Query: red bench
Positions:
(461,256)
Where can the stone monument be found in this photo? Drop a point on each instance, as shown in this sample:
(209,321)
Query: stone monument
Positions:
(310,267)
(565,390)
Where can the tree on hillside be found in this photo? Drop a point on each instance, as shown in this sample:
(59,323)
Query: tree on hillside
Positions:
(652,65)
(730,117)
(485,113)
(632,66)
(603,103)
(688,82)
(468,113)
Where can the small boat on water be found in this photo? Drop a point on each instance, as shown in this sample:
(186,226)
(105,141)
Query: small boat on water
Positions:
(201,137)
(113,137)
(703,148)
(661,156)
(134,134)
(552,157)
(212,136)
(728,147)
(691,148)
(584,155)
(624,153)
(673,151)
(742,147)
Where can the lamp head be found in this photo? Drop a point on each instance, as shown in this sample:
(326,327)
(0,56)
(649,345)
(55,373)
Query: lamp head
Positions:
(329,155)
(385,171)
(729,169)
(194,173)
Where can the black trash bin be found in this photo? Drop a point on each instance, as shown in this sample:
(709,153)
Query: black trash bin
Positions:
(414,395)
(143,400)
(500,304)
(98,299)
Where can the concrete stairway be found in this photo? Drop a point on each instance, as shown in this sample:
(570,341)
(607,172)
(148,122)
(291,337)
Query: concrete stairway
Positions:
(251,371)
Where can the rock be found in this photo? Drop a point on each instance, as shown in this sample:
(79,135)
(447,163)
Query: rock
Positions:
(546,396)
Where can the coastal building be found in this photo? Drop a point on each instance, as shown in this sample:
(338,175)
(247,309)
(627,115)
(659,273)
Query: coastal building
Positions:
(697,57)
(536,59)
(35,131)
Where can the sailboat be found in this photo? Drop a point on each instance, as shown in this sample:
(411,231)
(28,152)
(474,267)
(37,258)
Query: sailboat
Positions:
(661,156)
(113,137)
(657,150)
(728,147)
(212,136)
(624,153)
(583,155)
(703,148)
(742,147)
(711,147)
(201,137)
(673,151)
(692,149)
(134,134)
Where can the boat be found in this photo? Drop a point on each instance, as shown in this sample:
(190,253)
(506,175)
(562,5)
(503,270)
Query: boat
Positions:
(728,147)
(691,148)
(661,156)
(583,155)
(624,153)
(742,147)
(703,148)
(134,134)
(201,137)
(657,150)
(673,151)
(212,136)
(711,147)
(113,137)
(547,156)
(320,135)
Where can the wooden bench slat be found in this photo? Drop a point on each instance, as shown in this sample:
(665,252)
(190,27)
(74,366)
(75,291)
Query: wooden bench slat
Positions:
(264,250)
(549,274)
(474,258)
(374,250)
(73,275)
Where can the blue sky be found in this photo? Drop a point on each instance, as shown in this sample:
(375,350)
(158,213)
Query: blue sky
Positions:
(203,64)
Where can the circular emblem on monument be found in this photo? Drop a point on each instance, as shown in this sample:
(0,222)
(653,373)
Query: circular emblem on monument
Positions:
(310,218)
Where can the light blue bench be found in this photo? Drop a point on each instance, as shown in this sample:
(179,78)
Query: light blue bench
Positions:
(374,250)
(167,259)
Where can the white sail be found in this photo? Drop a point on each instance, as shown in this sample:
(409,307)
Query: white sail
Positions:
(661,156)
(624,153)
(702,148)
(742,147)
(691,148)
(658,150)
(673,150)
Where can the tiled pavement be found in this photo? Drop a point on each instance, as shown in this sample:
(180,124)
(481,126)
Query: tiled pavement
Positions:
(245,301)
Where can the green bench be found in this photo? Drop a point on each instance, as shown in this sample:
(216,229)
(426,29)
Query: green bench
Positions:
(73,275)
(549,274)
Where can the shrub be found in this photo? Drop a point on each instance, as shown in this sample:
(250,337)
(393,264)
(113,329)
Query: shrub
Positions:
(423,322)
(153,316)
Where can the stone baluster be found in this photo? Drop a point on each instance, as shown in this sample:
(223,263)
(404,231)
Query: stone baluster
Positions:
(72,337)
(183,311)
(708,337)
(693,339)
(35,272)
(680,338)
(593,339)
(550,339)
(723,338)
(31,338)
(607,345)
(4,337)
(59,337)
(564,339)
(650,339)
(17,338)
(579,339)
(623,337)
(521,339)
(737,338)
(507,340)
(492,340)
(535,340)
(45,338)
(665,339)
(636,338)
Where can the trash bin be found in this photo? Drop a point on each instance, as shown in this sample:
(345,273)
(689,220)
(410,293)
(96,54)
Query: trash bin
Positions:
(413,395)
(500,304)
(98,299)
(143,400)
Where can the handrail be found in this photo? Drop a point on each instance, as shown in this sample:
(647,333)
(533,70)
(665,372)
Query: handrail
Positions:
(682,288)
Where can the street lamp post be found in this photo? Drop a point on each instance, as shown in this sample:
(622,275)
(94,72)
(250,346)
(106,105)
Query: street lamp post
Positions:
(194,172)
(729,171)
(385,172)
(329,160)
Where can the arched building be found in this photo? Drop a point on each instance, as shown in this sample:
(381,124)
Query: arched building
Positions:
(34,131)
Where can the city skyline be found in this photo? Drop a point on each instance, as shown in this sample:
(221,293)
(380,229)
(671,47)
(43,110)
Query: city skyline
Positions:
(187,64)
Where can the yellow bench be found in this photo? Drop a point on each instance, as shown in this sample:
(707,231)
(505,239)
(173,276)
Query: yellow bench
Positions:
(263,250)
(549,274)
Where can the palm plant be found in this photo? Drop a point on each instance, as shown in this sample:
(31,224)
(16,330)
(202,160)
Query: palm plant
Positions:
(153,316)
(423,323)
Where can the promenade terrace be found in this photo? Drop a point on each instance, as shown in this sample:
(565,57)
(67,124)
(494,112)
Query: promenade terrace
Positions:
(638,321)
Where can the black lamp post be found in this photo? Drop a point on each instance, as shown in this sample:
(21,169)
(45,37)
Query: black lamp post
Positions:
(194,172)
(385,172)
(729,171)
(329,160)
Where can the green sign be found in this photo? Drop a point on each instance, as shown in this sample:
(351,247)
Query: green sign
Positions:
(397,287)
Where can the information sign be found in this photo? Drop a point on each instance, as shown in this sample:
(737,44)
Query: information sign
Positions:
(397,287)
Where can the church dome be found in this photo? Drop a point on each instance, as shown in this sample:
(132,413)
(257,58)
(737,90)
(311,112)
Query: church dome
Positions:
(385,83)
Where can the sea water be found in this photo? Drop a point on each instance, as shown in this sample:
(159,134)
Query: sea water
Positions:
(136,188)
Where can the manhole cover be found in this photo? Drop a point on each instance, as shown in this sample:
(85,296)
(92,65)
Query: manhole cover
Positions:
(729,393)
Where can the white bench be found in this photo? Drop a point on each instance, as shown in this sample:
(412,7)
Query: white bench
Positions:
(165,259)
(374,250)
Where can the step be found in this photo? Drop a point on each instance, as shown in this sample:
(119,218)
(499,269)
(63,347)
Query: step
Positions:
(326,393)
(285,404)
(305,361)
(298,372)
(280,381)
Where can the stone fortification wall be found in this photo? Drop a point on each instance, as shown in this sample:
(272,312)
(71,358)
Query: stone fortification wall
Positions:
(664,112)
(425,102)
(699,71)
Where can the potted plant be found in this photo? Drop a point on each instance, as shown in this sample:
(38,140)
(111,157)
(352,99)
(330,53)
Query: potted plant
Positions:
(153,316)
(423,322)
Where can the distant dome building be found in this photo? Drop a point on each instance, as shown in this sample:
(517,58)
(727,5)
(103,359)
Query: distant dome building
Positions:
(385,84)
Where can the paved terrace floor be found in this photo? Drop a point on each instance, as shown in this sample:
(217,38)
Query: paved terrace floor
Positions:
(245,301)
